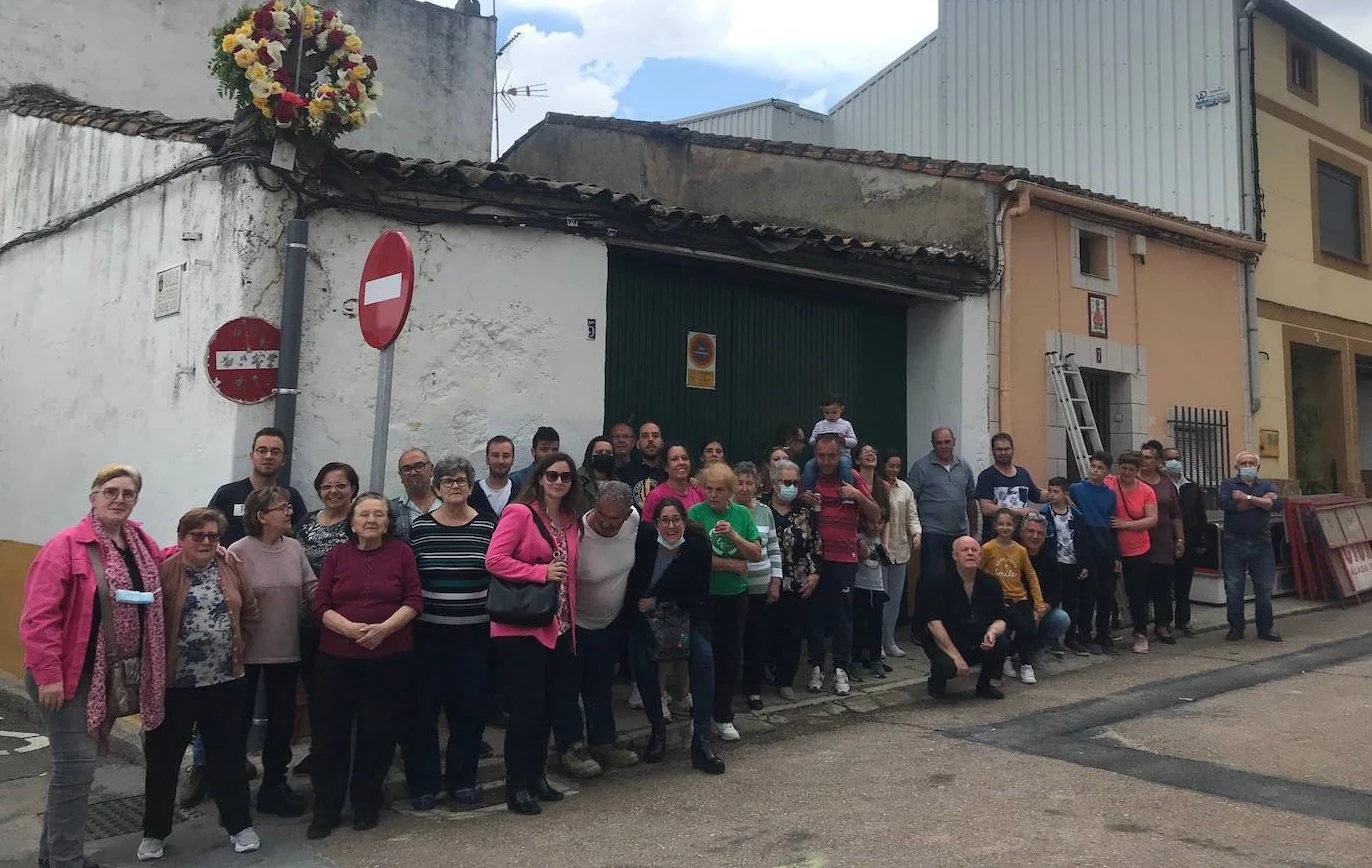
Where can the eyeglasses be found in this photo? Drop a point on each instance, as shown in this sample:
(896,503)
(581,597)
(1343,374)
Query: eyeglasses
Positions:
(553,476)
(269,451)
(334,486)
(451,482)
(412,469)
(282,506)
(204,536)
(119,494)
(671,520)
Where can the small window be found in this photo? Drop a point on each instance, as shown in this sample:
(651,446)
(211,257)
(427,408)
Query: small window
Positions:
(1301,75)
(1340,211)
(1093,253)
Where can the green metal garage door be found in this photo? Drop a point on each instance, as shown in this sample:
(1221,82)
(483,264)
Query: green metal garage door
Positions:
(781,347)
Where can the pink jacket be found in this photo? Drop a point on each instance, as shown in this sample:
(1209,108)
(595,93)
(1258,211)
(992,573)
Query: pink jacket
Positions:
(518,552)
(59,603)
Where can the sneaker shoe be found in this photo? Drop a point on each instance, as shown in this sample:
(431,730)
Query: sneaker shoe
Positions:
(577,762)
(425,802)
(816,679)
(1076,648)
(755,703)
(876,670)
(196,788)
(1058,649)
(1140,644)
(841,687)
(725,731)
(150,849)
(1009,669)
(635,699)
(1026,674)
(787,694)
(464,799)
(1094,648)
(246,841)
(612,756)
(895,651)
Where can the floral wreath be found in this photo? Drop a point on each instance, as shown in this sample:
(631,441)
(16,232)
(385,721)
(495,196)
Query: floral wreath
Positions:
(259,52)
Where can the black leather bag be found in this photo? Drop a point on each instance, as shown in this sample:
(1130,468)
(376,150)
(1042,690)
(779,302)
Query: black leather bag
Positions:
(516,603)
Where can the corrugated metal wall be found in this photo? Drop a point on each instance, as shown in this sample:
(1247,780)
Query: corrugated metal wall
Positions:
(1099,94)
(899,109)
(781,346)
(752,122)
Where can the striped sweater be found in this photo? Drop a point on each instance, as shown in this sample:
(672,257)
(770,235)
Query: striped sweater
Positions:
(761,573)
(452,569)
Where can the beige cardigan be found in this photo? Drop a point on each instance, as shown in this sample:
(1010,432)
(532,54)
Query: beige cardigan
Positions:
(904,522)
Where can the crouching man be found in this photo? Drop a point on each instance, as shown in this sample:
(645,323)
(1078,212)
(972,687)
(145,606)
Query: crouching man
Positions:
(966,627)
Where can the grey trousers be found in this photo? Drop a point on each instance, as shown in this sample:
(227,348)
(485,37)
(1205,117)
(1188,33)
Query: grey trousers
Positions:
(894,577)
(63,844)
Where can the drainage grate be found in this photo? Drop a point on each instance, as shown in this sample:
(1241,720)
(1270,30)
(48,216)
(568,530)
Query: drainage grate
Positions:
(113,818)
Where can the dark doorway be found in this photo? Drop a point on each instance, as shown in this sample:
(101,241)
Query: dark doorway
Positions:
(1098,394)
(1317,417)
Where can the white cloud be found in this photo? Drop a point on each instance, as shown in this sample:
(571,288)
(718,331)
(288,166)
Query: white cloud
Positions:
(817,101)
(807,43)
(1351,18)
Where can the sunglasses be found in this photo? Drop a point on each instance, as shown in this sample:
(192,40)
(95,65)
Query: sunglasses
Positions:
(554,476)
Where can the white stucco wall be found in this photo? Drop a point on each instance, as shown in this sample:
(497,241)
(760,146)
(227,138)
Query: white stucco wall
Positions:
(87,376)
(947,348)
(495,344)
(437,66)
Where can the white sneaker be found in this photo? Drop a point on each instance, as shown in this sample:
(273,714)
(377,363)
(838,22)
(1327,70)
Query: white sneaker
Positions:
(841,682)
(666,707)
(1009,669)
(246,841)
(1026,674)
(895,651)
(725,731)
(816,679)
(635,699)
(149,849)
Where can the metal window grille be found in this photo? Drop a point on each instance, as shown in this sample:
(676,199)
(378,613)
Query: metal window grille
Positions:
(1202,436)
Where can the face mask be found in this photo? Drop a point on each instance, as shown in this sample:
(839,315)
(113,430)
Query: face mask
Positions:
(602,463)
(670,546)
(1172,465)
(1248,474)
(788,493)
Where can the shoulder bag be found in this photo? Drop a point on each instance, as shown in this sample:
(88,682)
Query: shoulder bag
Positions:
(523,604)
(121,676)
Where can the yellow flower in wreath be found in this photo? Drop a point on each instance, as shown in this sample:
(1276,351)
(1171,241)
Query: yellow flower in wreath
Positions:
(261,104)
(245,57)
(275,88)
(244,29)
(230,41)
(255,72)
(320,107)
(360,72)
(353,43)
(356,118)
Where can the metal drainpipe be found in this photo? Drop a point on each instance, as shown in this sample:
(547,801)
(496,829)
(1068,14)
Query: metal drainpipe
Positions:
(292,324)
(1248,161)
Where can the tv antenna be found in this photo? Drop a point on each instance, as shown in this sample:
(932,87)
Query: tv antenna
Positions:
(505,94)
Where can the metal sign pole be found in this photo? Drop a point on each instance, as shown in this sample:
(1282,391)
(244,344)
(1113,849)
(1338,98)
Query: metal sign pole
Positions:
(385,370)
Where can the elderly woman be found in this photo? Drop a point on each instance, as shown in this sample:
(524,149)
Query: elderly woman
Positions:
(71,628)
(206,604)
(764,585)
(368,593)
(597,469)
(452,639)
(734,542)
(902,541)
(796,526)
(668,593)
(283,582)
(537,541)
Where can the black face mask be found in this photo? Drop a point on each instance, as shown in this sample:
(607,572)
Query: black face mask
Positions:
(602,463)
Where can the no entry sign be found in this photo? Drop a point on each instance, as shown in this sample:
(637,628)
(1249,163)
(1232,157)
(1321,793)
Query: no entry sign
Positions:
(241,360)
(383,301)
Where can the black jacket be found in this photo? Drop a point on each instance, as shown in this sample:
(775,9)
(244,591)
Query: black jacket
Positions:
(686,581)
(1193,520)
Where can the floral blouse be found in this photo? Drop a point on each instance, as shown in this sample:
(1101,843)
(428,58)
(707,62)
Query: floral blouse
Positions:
(798,536)
(318,539)
(205,647)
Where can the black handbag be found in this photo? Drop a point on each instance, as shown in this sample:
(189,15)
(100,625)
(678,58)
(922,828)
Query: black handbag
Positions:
(517,603)
(670,626)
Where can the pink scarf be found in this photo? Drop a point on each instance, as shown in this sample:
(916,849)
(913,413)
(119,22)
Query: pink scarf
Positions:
(152,679)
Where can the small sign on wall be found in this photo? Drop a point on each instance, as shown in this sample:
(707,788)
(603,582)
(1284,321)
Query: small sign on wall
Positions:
(701,355)
(167,296)
(1269,443)
(1097,316)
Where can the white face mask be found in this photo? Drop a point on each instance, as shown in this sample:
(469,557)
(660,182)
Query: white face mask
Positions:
(787,492)
(671,546)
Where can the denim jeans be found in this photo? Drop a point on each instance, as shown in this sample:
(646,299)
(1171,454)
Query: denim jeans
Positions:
(452,660)
(597,653)
(1053,626)
(63,840)
(1249,557)
(831,612)
(702,665)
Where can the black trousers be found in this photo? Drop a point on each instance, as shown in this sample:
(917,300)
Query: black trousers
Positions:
(214,710)
(1019,617)
(831,613)
(451,681)
(1181,589)
(757,638)
(869,607)
(534,675)
(373,694)
(279,680)
(1136,587)
(1160,579)
(728,615)
(1096,594)
(942,669)
(789,628)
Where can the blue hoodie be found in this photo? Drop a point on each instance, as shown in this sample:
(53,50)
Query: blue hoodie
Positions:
(1095,505)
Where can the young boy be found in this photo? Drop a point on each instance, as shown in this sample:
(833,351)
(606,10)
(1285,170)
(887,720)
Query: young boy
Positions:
(1098,553)
(832,423)
(1063,523)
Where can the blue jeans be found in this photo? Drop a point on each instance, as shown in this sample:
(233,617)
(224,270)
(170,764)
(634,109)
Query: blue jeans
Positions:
(452,662)
(1053,627)
(702,666)
(63,840)
(1245,557)
(811,471)
(597,652)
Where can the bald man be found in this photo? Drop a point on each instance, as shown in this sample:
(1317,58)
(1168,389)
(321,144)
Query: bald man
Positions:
(1246,547)
(966,610)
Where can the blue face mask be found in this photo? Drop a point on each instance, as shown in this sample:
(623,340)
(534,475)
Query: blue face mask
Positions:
(1172,465)
(787,493)
(1248,474)
(671,546)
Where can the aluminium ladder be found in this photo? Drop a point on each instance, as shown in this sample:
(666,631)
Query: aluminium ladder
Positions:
(1076,409)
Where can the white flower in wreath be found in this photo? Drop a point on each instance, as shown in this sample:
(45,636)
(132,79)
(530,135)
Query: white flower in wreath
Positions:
(355,58)
(245,42)
(262,87)
(275,50)
(349,29)
(283,21)
(374,89)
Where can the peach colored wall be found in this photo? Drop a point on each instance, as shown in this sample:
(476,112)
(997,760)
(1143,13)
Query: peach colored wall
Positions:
(1188,323)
